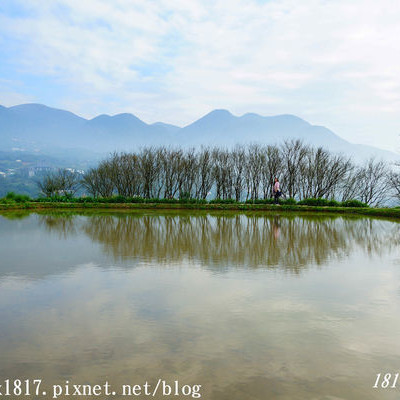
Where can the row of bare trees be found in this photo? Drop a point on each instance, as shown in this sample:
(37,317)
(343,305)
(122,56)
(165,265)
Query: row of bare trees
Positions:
(62,182)
(241,173)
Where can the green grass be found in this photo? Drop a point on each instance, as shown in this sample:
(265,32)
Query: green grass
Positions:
(382,212)
(13,201)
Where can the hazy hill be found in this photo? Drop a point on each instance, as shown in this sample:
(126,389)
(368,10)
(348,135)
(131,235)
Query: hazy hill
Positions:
(255,128)
(38,128)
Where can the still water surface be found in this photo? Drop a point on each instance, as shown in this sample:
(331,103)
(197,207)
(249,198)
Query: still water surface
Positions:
(250,306)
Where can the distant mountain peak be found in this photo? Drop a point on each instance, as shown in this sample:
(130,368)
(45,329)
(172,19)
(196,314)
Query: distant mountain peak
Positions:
(126,116)
(100,116)
(251,115)
(282,117)
(36,126)
(29,105)
(121,117)
(291,117)
(35,112)
(218,113)
(212,120)
(165,125)
(35,107)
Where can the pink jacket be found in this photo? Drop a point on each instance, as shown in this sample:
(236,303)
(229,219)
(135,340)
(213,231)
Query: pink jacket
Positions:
(276,187)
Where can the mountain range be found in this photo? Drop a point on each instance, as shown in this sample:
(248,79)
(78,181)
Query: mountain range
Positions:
(45,130)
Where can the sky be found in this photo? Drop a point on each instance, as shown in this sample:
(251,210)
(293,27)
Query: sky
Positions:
(334,63)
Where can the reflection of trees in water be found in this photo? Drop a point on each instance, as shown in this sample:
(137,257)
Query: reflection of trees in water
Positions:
(374,236)
(250,240)
(65,225)
(15,215)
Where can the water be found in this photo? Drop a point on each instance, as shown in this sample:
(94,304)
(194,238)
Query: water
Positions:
(249,306)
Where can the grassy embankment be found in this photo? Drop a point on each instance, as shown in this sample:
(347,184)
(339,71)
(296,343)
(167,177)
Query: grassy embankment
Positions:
(17,202)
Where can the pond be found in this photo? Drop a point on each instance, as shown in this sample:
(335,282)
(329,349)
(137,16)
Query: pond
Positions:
(247,305)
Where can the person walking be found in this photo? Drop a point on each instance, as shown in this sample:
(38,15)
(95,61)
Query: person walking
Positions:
(276,190)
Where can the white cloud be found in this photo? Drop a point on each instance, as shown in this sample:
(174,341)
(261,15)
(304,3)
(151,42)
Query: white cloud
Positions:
(331,62)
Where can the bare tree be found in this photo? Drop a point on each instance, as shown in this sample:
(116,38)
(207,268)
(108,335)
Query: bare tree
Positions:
(348,187)
(238,170)
(272,168)
(68,182)
(124,169)
(373,182)
(100,181)
(173,170)
(222,173)
(321,173)
(62,182)
(293,154)
(49,185)
(190,170)
(205,179)
(89,182)
(394,183)
(255,162)
(149,167)
(242,172)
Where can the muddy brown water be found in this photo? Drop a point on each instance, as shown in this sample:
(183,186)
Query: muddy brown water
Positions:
(249,306)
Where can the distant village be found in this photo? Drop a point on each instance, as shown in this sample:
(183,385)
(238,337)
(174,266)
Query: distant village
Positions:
(32,170)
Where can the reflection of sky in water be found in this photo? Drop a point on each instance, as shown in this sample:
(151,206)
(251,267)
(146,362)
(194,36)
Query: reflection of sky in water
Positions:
(322,331)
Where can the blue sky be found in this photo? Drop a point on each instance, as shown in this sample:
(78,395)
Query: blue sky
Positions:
(332,62)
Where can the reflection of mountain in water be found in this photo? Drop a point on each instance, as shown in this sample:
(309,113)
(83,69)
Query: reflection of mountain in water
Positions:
(249,240)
